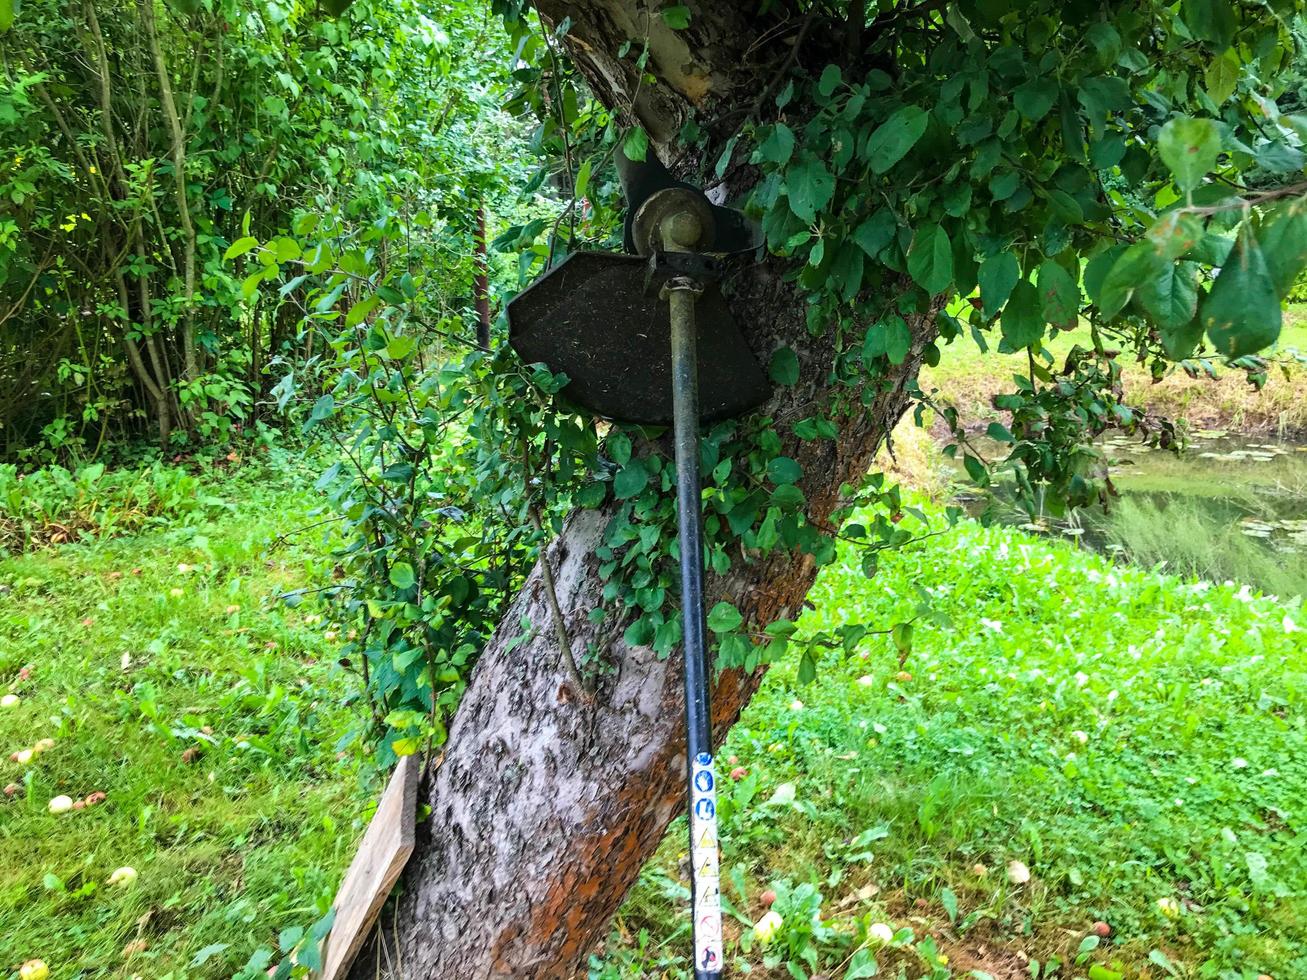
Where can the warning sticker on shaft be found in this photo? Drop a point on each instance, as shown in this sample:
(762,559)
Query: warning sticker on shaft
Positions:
(703,859)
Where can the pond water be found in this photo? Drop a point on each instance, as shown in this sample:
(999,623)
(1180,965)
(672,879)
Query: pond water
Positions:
(1227,508)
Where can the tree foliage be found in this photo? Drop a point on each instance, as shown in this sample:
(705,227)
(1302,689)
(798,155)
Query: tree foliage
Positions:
(138,140)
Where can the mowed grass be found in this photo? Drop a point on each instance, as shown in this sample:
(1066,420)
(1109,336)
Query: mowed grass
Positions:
(969,380)
(208,715)
(1138,742)
(1132,739)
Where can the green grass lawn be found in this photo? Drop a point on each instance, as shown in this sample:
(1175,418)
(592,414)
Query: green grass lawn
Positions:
(206,714)
(969,379)
(1137,742)
(1131,739)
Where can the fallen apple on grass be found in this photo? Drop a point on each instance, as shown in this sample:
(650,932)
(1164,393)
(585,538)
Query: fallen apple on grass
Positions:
(881,932)
(34,970)
(60,804)
(765,929)
(122,877)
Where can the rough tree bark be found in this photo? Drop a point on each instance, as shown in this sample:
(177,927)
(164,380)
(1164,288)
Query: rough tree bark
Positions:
(544,808)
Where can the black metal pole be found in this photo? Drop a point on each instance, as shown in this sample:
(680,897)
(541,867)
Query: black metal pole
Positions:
(705,867)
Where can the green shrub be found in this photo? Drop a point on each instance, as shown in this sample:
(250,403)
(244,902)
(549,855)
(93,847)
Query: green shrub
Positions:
(55,505)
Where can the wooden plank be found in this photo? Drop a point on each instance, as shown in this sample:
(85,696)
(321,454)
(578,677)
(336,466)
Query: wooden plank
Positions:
(381,857)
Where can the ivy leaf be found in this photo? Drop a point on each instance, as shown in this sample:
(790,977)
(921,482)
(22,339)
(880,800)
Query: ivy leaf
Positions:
(631,480)
(810,187)
(1171,296)
(677,17)
(1242,312)
(930,260)
(1059,294)
(778,146)
(898,340)
(401,575)
(998,274)
(784,368)
(893,139)
(1023,320)
(724,618)
(1210,20)
(1189,147)
(636,144)
(783,469)
(591,495)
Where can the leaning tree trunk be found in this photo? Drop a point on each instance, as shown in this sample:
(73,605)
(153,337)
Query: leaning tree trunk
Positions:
(544,807)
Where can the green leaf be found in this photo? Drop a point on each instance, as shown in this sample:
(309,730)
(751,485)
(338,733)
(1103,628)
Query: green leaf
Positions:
(784,369)
(724,618)
(1180,342)
(1136,265)
(778,147)
(1222,76)
(398,348)
(893,139)
(830,80)
(1097,269)
(237,248)
(583,179)
(810,187)
(1283,240)
(1023,319)
(1035,98)
(636,144)
(591,495)
(322,408)
(1189,148)
(8,12)
(1171,296)
(207,953)
(950,903)
(631,480)
(876,232)
(930,260)
(1059,293)
(807,672)
(1000,433)
(401,575)
(1210,20)
(861,966)
(677,17)
(783,469)
(1242,312)
(1174,234)
(898,340)
(998,274)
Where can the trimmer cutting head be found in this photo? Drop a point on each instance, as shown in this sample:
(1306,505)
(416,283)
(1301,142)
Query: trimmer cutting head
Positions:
(598,318)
